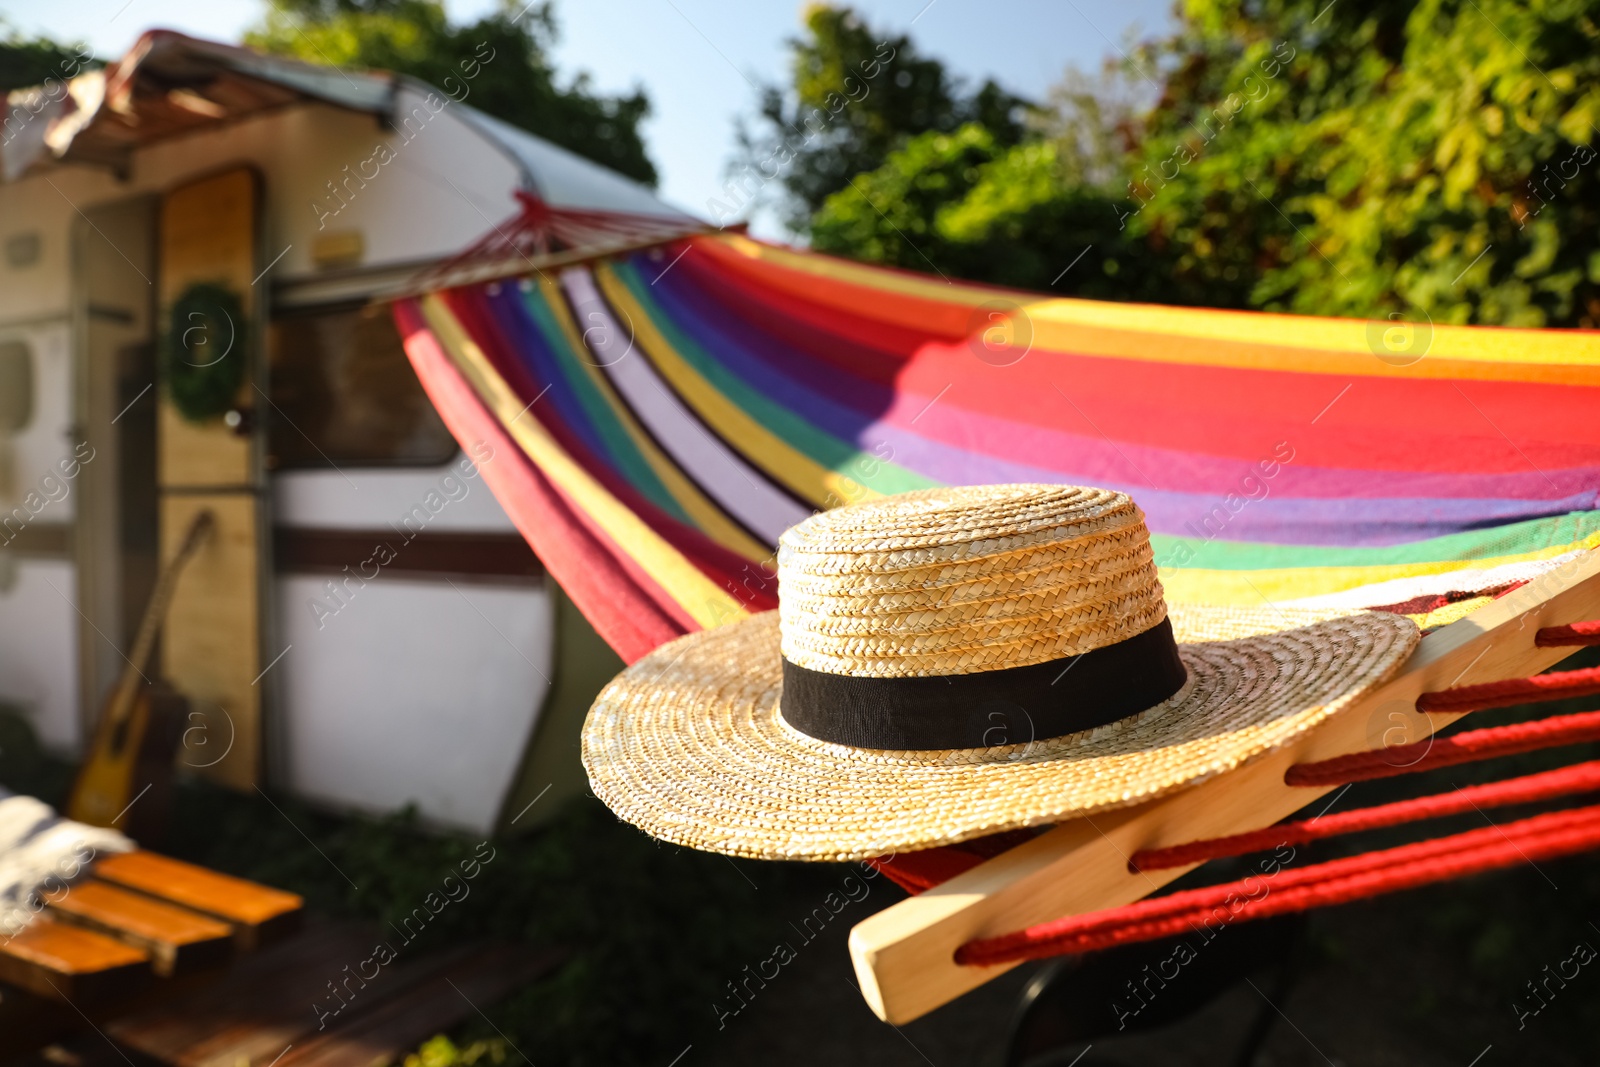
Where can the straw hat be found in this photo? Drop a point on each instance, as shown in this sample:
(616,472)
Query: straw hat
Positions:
(951,663)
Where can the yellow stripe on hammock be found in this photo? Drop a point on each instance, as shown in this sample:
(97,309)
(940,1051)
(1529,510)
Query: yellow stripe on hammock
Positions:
(704,601)
(803,476)
(711,519)
(1247,587)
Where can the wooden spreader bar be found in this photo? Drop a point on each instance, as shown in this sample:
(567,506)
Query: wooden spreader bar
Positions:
(904,956)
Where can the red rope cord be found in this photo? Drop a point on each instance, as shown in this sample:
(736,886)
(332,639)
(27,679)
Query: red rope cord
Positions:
(1335,882)
(1435,752)
(1512,691)
(1580,778)
(1579,633)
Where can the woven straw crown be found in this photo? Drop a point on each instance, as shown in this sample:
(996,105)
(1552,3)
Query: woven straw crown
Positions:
(965,579)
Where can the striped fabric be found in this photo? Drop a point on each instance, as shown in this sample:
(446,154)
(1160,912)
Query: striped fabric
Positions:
(653,422)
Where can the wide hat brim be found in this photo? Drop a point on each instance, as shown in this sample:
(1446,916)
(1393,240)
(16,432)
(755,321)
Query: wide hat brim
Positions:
(689,744)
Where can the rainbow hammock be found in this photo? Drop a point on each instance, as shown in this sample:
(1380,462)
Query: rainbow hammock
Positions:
(653,420)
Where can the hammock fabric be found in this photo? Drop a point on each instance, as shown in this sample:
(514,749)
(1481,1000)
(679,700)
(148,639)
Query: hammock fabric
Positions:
(654,420)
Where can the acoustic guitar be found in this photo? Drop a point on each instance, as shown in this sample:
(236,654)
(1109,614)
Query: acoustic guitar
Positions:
(136,738)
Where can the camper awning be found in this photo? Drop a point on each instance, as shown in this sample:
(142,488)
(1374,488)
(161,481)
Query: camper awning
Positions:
(170,84)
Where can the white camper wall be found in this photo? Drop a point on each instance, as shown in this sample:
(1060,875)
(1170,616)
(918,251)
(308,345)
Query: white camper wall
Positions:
(38,624)
(465,664)
(38,648)
(42,454)
(454,673)
(442,186)
(373,498)
(46,204)
(443,723)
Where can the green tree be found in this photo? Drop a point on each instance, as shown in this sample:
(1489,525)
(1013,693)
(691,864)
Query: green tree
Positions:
(509,51)
(1417,157)
(964,206)
(855,96)
(1423,158)
(1047,210)
(28,61)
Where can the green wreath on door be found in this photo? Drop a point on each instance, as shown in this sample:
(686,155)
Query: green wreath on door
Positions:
(203,354)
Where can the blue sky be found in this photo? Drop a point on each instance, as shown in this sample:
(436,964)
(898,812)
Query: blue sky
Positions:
(698,59)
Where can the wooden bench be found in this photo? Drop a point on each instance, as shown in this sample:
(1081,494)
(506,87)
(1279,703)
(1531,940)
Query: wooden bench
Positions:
(137,915)
(123,968)
(177,940)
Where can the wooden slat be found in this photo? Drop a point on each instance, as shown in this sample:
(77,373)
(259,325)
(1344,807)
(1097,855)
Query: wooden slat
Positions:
(176,939)
(66,962)
(257,913)
(904,955)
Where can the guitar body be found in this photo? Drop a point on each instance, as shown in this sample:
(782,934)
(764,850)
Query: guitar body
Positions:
(105,781)
(126,779)
(128,772)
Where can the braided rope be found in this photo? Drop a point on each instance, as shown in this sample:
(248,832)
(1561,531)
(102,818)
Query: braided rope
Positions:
(1579,633)
(1370,874)
(1580,778)
(1434,752)
(1512,691)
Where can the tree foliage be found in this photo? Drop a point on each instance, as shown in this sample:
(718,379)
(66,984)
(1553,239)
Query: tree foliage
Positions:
(965,206)
(1428,158)
(855,96)
(29,61)
(516,82)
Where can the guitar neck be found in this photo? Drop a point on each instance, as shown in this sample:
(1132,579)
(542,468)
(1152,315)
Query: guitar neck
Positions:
(150,625)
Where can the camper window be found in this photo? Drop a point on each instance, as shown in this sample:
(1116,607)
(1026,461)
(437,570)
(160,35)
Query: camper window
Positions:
(16,387)
(345,393)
